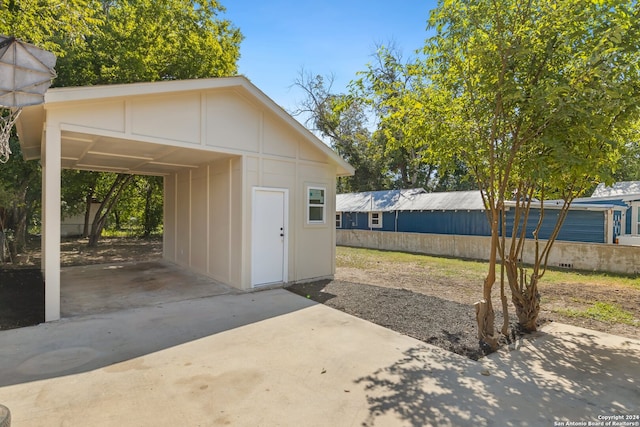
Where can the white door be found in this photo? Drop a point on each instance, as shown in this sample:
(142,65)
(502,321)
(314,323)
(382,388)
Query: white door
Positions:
(269,236)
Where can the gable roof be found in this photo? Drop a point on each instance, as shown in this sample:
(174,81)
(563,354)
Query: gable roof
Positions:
(31,122)
(417,199)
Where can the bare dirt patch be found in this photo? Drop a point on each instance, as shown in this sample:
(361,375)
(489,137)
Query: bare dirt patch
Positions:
(75,251)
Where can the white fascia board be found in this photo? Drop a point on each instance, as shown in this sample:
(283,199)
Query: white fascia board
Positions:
(92,93)
(573,207)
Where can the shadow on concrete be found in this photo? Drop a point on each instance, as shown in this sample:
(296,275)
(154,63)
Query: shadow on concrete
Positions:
(417,387)
(565,375)
(84,343)
(315,291)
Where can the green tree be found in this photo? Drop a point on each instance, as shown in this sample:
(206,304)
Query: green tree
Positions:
(152,189)
(540,95)
(140,206)
(50,25)
(150,40)
(343,120)
(383,127)
(19,198)
(389,86)
(629,169)
(78,192)
(110,187)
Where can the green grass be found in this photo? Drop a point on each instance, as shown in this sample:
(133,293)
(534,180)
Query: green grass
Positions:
(603,312)
(127,232)
(451,267)
(596,278)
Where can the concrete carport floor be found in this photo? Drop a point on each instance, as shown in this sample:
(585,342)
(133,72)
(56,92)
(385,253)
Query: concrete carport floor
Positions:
(272,358)
(103,288)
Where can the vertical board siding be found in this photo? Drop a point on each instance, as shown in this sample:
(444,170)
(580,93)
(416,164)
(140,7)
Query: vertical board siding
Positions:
(579,226)
(472,223)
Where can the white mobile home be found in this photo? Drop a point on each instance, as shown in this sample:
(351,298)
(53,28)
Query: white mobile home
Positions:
(249,192)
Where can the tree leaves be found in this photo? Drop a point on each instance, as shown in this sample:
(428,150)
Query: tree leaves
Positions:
(51,24)
(541,97)
(149,40)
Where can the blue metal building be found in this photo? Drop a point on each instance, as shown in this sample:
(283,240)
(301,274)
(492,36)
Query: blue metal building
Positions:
(415,210)
(603,218)
(589,223)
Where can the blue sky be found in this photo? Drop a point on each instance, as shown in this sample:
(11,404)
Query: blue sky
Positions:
(323,37)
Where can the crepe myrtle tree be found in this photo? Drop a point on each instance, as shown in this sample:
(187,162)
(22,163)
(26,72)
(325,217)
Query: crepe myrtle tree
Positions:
(539,99)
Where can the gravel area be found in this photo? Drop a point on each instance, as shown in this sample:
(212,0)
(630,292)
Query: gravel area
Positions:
(447,324)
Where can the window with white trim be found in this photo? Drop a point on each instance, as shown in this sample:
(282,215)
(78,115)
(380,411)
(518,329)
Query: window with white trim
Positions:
(375,219)
(338,219)
(316,205)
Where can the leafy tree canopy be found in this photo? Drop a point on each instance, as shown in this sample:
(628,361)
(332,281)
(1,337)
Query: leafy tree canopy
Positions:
(542,91)
(540,99)
(383,126)
(150,40)
(51,24)
(343,120)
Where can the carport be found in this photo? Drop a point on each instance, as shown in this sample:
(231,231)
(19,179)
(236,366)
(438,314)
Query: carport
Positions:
(132,285)
(226,152)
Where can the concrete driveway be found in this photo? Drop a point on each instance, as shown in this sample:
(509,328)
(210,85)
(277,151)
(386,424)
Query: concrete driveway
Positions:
(273,358)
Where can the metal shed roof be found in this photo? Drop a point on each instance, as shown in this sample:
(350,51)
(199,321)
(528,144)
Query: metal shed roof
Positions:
(617,190)
(416,199)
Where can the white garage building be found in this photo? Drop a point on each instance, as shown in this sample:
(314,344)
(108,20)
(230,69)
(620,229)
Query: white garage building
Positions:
(249,193)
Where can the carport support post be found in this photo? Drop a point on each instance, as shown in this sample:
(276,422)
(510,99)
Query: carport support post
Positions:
(51,175)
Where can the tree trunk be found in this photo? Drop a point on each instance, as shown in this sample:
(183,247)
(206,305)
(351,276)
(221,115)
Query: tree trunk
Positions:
(116,215)
(20,238)
(19,219)
(485,316)
(2,246)
(527,305)
(505,310)
(87,213)
(147,210)
(94,236)
(108,203)
(525,296)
